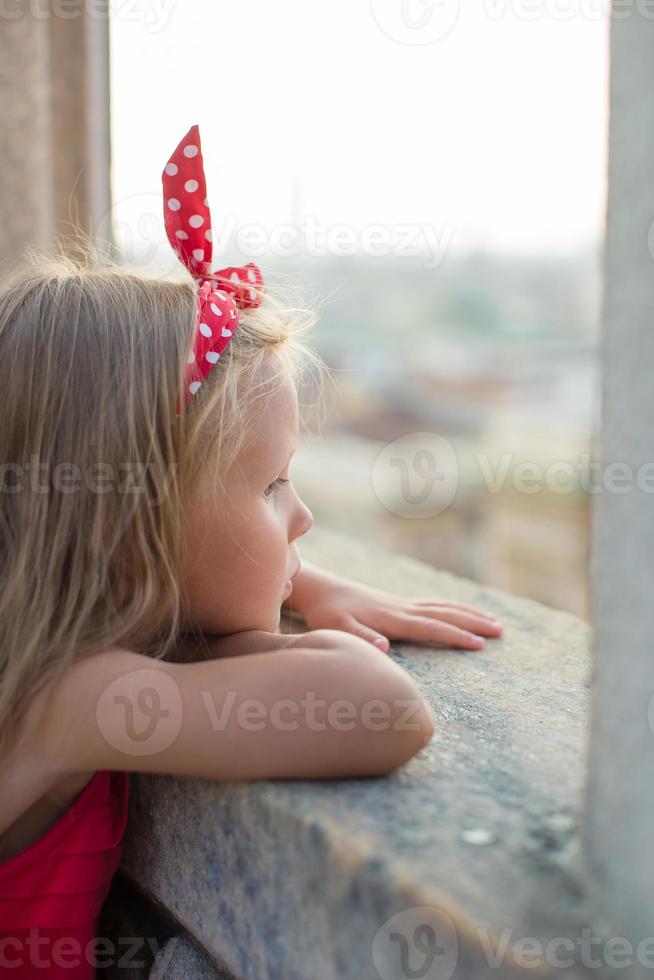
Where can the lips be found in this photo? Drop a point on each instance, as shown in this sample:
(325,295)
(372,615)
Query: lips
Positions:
(288,585)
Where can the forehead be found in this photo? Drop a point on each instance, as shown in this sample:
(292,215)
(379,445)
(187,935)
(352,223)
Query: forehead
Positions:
(273,430)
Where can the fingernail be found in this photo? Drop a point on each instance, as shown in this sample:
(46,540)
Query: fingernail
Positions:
(479,639)
(379,642)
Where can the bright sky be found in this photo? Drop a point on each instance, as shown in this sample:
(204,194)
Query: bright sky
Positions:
(484,121)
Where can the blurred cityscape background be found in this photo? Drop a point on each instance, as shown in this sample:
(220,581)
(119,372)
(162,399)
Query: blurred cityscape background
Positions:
(489,140)
(498,356)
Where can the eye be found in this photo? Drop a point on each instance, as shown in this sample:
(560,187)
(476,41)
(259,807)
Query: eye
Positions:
(272,488)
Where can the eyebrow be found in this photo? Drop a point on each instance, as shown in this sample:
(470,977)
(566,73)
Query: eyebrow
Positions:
(279,468)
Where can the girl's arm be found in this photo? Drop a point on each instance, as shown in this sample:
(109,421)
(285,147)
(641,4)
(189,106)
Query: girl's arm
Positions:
(303,713)
(192,647)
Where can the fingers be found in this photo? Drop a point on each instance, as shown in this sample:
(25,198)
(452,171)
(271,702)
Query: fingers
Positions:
(377,639)
(472,622)
(452,627)
(424,630)
(430,603)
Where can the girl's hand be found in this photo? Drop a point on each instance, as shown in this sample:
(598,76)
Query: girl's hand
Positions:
(332,602)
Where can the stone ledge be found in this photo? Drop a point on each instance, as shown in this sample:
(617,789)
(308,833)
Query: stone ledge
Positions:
(289,878)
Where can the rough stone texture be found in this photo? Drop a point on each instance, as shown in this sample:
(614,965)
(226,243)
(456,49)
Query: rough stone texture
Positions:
(286,878)
(180,959)
(140,940)
(620,830)
(133,930)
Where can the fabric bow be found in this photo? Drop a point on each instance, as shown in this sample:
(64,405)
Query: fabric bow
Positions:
(221,294)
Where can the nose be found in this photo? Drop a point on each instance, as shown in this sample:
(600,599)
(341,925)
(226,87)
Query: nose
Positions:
(302,520)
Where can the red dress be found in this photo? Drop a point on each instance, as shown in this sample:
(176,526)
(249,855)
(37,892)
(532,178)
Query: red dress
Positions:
(51,893)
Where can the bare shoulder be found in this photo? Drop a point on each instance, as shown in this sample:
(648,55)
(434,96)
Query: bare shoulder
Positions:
(67,722)
(44,773)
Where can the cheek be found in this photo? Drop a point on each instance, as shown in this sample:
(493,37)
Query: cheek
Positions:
(236,567)
(261,546)
(268,525)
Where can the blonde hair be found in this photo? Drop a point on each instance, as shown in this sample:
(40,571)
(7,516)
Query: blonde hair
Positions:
(93,355)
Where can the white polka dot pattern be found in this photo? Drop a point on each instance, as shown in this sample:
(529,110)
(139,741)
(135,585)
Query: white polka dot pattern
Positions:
(222,293)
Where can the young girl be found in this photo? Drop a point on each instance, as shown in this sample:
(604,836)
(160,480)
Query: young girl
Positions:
(148,540)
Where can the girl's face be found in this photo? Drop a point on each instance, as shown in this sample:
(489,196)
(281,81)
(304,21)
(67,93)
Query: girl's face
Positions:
(241,550)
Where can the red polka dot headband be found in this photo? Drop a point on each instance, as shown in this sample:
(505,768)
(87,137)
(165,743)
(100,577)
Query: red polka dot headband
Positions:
(221,294)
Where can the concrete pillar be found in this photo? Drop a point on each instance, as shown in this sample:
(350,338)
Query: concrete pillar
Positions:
(54,110)
(619,836)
